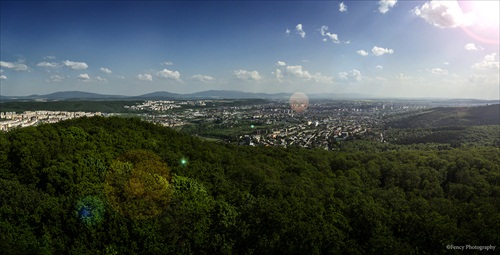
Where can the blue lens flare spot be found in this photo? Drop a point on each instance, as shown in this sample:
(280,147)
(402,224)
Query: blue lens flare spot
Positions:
(90,210)
(85,212)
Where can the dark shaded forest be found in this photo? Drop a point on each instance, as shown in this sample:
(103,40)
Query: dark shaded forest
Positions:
(455,126)
(443,117)
(124,186)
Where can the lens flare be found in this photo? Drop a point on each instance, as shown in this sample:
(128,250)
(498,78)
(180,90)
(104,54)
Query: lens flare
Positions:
(299,102)
(138,185)
(486,21)
(90,210)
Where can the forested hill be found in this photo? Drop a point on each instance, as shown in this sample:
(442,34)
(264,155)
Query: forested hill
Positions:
(124,186)
(451,117)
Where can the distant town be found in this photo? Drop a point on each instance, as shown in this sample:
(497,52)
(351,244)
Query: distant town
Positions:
(12,120)
(324,124)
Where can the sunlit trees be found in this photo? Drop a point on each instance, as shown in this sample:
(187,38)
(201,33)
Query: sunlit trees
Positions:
(138,184)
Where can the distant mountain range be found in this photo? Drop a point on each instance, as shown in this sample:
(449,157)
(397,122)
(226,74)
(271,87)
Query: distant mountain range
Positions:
(209,94)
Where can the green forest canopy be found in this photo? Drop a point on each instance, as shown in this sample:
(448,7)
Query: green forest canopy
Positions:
(85,186)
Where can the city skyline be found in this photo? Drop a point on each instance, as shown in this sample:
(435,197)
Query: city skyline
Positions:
(389,48)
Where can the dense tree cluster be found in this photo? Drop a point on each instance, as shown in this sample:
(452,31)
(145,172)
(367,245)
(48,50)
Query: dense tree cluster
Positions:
(124,186)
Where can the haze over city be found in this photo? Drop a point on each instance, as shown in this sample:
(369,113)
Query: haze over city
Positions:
(384,48)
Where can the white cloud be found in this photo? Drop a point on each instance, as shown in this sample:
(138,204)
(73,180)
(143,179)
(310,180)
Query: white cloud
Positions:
(105,70)
(168,74)
(56,78)
(278,75)
(402,76)
(444,14)
(50,57)
(378,51)
(75,65)
(47,64)
(3,77)
(84,77)
(298,72)
(100,79)
(342,7)
(202,78)
(334,37)
(318,77)
(14,66)
(280,63)
(354,75)
(471,46)
(247,75)
(379,67)
(323,30)
(362,53)
(385,5)
(487,63)
(446,63)
(168,63)
(438,71)
(300,30)
(145,77)
(287,31)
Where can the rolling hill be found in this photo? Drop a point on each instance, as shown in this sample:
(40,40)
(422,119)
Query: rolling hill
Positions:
(450,117)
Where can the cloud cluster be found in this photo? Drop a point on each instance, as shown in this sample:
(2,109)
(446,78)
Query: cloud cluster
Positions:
(488,63)
(379,51)
(438,71)
(470,46)
(353,75)
(48,64)
(297,72)
(75,65)
(168,74)
(3,77)
(14,66)
(444,14)
(105,70)
(247,75)
(84,77)
(145,77)
(342,7)
(100,79)
(202,78)
(324,32)
(55,78)
(300,30)
(385,5)
(362,53)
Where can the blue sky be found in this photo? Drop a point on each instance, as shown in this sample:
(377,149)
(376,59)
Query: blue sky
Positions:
(383,48)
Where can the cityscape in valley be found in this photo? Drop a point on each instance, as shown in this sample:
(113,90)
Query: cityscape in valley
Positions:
(320,123)
(250,127)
